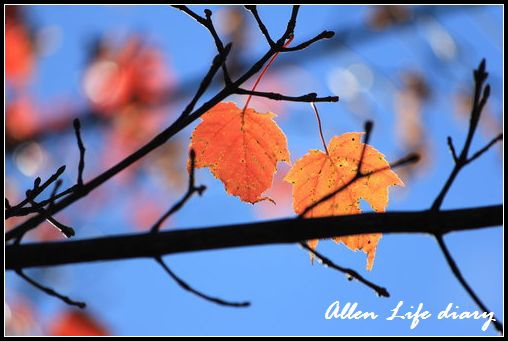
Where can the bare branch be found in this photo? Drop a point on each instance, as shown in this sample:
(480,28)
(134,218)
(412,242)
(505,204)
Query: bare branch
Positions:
(161,138)
(81,146)
(486,148)
(456,271)
(304,45)
(259,233)
(481,95)
(218,61)
(208,24)
(311,97)
(452,149)
(190,191)
(31,195)
(50,291)
(411,158)
(352,274)
(262,27)
(206,297)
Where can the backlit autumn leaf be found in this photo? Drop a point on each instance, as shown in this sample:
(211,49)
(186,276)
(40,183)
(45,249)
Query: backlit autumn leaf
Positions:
(76,323)
(241,148)
(318,174)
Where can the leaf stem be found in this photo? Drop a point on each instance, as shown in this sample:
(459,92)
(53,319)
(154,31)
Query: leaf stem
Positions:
(290,39)
(313,105)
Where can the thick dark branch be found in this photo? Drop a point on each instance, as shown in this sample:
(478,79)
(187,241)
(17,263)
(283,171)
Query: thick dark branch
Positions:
(50,291)
(456,271)
(190,289)
(352,274)
(312,97)
(262,233)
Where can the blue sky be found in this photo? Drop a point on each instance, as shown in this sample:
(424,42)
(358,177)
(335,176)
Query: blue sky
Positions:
(289,295)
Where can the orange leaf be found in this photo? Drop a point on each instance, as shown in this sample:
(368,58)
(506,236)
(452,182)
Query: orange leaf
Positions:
(241,148)
(76,323)
(317,174)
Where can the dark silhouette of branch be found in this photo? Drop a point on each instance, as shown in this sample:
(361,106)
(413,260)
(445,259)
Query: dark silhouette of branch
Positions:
(208,24)
(31,195)
(352,274)
(262,27)
(481,95)
(156,227)
(258,233)
(180,123)
(480,152)
(456,271)
(206,297)
(205,83)
(321,36)
(50,291)
(64,229)
(190,191)
(312,97)
(81,146)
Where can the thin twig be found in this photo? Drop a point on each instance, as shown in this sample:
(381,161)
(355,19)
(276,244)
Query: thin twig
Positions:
(31,195)
(481,95)
(411,158)
(208,24)
(218,61)
(50,291)
(190,191)
(452,148)
(206,297)
(456,271)
(81,146)
(262,27)
(304,45)
(352,274)
(311,97)
(486,148)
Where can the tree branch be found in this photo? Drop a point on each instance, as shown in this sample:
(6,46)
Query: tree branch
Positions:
(261,233)
(50,291)
(456,271)
(182,122)
(481,95)
(311,97)
(352,274)
(190,289)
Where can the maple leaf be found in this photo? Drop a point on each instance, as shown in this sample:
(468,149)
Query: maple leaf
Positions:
(241,147)
(318,174)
